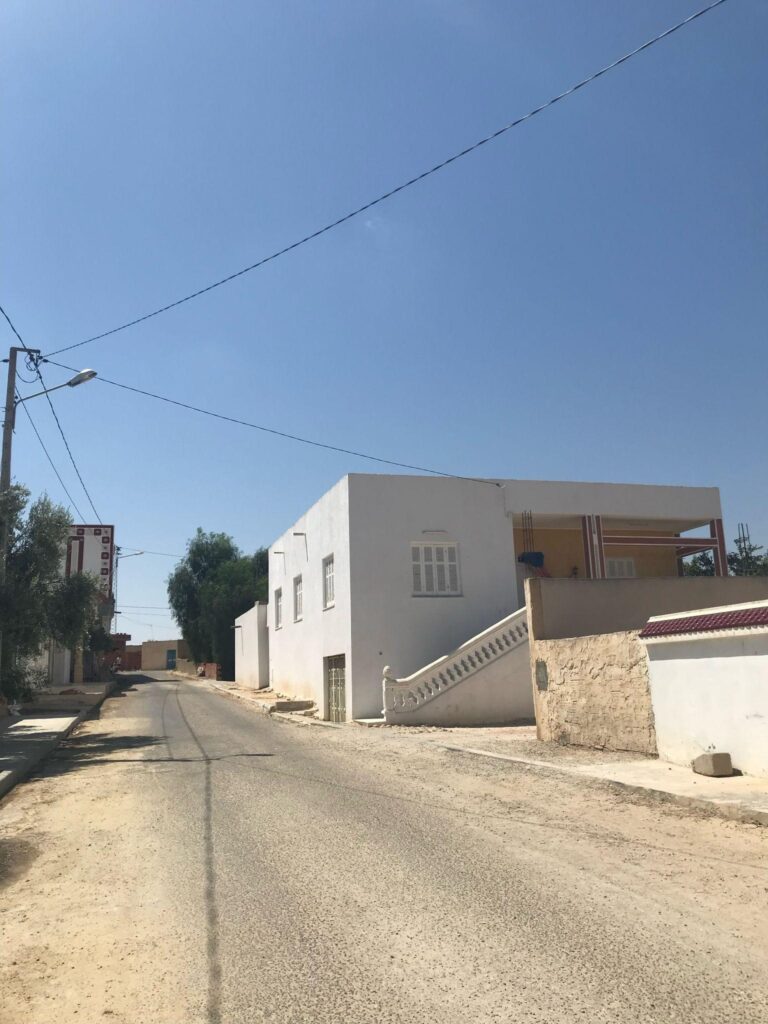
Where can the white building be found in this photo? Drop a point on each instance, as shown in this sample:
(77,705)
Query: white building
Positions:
(397,571)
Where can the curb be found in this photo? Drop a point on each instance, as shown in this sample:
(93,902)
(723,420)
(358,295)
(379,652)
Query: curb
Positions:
(13,778)
(730,811)
(280,716)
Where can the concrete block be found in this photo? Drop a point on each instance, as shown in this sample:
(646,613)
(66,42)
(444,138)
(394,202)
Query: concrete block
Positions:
(716,765)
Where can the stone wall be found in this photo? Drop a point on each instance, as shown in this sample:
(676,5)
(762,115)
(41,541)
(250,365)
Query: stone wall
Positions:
(593,691)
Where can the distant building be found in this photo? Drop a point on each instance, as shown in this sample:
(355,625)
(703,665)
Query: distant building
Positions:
(163,654)
(91,549)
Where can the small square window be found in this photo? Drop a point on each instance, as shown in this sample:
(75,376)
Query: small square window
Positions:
(298,599)
(278,608)
(329,588)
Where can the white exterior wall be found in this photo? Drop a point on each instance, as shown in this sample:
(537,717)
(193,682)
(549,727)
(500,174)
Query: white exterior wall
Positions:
(60,661)
(624,501)
(389,625)
(90,549)
(297,649)
(368,521)
(252,648)
(710,693)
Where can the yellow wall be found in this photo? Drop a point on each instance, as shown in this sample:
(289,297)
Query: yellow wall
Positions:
(564,549)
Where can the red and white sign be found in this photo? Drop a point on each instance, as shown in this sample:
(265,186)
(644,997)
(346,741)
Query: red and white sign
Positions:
(92,549)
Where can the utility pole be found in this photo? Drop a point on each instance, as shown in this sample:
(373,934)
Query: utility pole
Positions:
(9,423)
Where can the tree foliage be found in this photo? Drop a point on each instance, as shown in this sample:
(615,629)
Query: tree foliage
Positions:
(746,560)
(214,584)
(37,602)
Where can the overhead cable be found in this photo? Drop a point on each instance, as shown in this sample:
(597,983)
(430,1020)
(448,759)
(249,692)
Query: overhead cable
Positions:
(282,433)
(48,456)
(69,451)
(143,551)
(33,363)
(402,186)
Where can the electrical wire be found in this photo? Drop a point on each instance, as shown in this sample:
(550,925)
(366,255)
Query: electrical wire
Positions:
(48,456)
(146,614)
(162,554)
(11,325)
(33,363)
(143,607)
(137,622)
(69,452)
(402,186)
(282,433)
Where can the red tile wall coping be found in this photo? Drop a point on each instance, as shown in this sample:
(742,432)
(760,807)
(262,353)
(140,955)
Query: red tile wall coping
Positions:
(707,623)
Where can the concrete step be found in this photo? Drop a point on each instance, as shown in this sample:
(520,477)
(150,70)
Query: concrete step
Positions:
(291,705)
(371,723)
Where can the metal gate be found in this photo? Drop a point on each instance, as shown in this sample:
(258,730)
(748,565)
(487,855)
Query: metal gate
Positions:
(335,674)
(170,660)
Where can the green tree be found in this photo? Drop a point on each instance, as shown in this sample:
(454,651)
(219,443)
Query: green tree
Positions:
(208,590)
(746,560)
(231,590)
(38,603)
(702,564)
(205,553)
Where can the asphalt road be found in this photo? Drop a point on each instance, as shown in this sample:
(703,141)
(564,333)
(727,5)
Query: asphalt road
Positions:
(245,870)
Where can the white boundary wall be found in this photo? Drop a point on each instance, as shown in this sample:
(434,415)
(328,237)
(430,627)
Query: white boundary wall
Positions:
(710,693)
(252,648)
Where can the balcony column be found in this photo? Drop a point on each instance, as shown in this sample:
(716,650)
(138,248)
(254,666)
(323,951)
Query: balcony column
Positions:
(717,533)
(594,553)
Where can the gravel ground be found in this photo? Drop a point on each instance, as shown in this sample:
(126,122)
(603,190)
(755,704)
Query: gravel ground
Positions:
(186,859)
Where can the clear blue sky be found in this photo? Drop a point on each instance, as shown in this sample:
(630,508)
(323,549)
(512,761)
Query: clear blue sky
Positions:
(583,299)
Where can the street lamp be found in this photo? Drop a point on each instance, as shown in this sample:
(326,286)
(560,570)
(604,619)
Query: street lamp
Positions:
(79,378)
(9,423)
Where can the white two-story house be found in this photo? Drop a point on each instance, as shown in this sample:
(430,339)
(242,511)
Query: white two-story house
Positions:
(392,572)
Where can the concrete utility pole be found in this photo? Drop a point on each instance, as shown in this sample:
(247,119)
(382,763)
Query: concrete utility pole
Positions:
(9,423)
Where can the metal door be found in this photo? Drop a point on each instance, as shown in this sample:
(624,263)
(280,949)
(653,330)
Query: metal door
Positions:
(335,672)
(170,660)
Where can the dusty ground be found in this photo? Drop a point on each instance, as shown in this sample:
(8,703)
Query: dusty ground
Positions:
(185,859)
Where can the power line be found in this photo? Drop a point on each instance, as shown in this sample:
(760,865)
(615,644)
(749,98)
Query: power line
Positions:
(282,433)
(162,554)
(401,187)
(33,363)
(143,607)
(11,325)
(69,450)
(48,456)
(145,613)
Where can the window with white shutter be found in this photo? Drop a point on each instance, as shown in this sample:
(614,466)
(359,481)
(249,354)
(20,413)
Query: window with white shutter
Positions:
(620,568)
(298,599)
(278,608)
(435,570)
(329,589)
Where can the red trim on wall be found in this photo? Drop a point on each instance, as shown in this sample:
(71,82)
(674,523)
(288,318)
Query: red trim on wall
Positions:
(640,540)
(587,542)
(600,547)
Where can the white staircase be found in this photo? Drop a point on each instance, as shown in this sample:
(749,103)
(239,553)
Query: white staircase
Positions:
(403,697)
